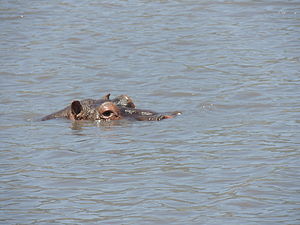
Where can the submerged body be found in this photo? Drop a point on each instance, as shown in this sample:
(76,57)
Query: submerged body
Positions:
(105,109)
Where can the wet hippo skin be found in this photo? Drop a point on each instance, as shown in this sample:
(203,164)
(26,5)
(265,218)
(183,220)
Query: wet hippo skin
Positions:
(121,107)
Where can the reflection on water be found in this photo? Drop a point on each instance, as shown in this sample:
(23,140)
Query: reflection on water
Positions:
(231,67)
(105,125)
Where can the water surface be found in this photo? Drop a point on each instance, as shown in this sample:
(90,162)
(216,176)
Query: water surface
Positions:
(232,67)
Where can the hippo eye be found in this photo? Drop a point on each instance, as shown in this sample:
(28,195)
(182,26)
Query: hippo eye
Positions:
(107,113)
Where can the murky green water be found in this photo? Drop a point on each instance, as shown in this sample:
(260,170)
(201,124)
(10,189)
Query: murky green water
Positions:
(232,67)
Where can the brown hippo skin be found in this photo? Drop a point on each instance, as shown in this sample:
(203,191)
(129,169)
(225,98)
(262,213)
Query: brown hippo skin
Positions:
(121,107)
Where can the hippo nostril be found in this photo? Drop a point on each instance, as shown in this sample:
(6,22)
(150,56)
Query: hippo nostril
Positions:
(107,113)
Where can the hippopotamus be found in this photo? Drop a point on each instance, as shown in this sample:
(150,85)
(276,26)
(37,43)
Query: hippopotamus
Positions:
(106,109)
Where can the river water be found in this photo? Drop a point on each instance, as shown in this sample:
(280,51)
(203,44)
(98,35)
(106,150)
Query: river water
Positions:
(231,67)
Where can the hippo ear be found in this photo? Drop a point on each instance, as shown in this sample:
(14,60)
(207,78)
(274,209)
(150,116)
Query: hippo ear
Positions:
(76,107)
(106,97)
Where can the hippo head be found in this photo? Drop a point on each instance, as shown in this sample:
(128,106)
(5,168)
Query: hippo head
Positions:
(106,110)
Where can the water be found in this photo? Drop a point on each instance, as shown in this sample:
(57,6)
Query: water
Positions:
(232,67)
